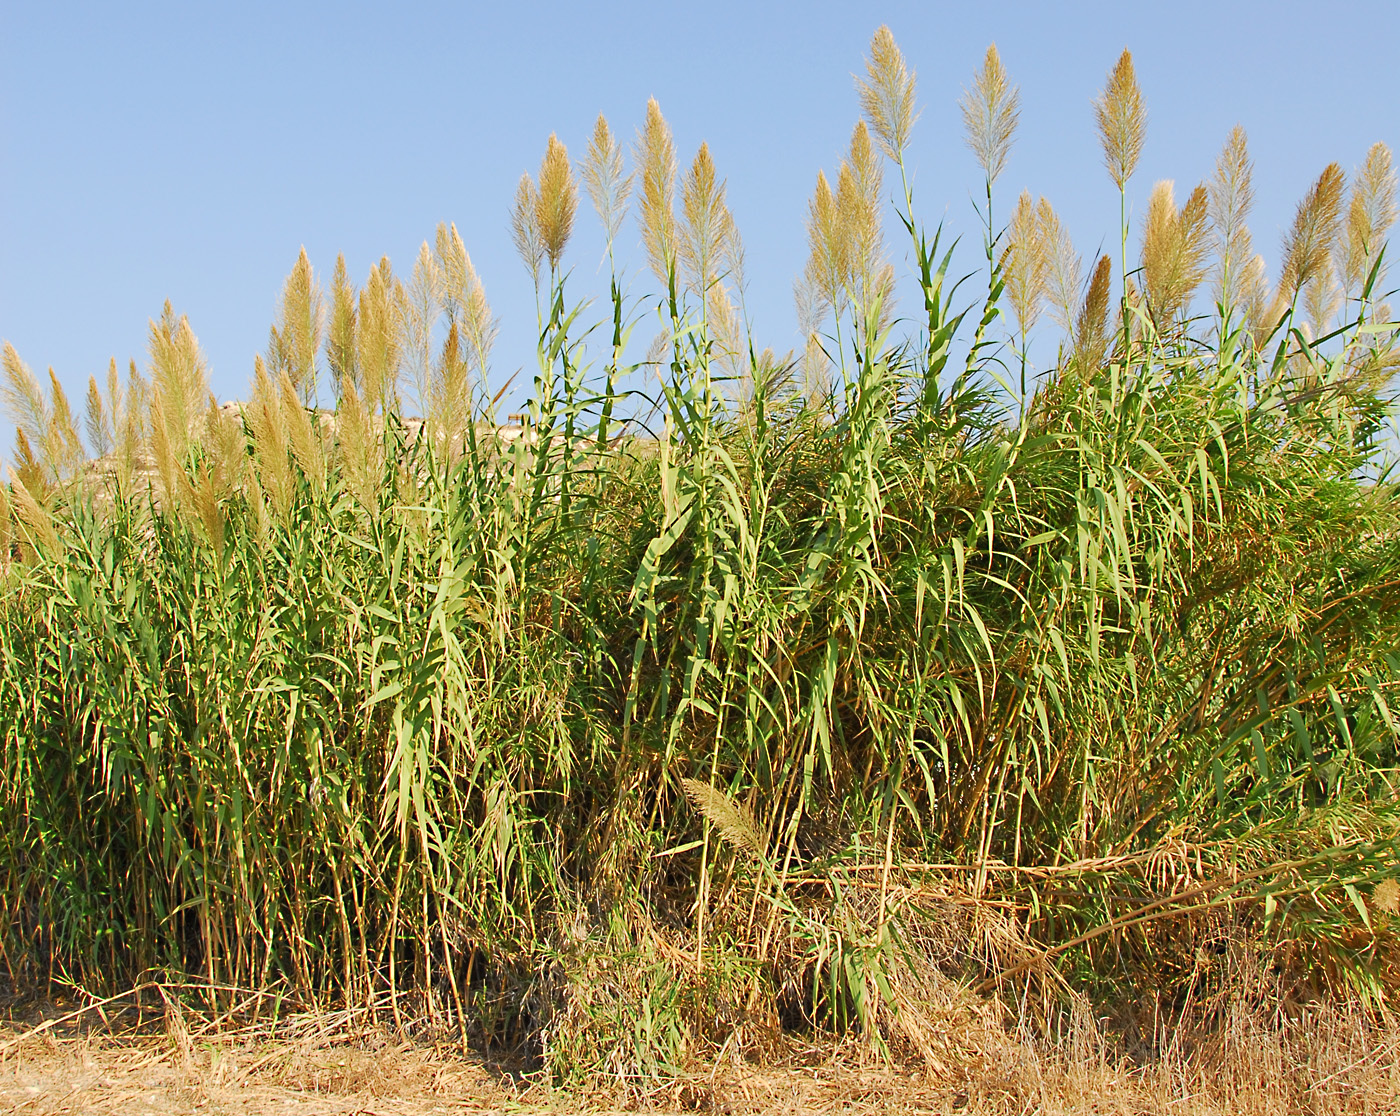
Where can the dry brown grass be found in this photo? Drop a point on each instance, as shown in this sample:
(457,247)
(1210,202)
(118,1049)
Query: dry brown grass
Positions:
(1330,1058)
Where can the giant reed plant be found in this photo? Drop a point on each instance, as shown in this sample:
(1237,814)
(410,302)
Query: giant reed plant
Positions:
(619,742)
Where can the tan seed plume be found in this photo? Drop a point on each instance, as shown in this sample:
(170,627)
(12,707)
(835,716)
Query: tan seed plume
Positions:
(1231,197)
(1309,242)
(1122,121)
(1025,264)
(887,94)
(1175,249)
(605,177)
(340,338)
(828,260)
(708,222)
(991,109)
(1063,275)
(296,337)
(656,158)
(525,225)
(1091,327)
(556,202)
(1370,215)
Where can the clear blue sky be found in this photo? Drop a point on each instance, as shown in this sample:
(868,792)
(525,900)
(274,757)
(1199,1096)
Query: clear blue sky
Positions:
(187,151)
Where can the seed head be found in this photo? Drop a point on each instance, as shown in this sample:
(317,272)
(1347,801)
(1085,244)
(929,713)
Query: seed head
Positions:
(991,110)
(1122,121)
(887,94)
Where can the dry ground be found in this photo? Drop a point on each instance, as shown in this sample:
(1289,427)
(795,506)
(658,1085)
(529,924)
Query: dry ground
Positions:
(1338,1063)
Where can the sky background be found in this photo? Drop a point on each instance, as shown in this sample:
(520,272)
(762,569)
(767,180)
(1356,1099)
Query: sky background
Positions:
(186,152)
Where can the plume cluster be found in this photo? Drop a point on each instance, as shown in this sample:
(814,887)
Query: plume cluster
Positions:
(1175,251)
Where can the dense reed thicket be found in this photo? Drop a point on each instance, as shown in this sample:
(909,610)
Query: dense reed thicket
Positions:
(803,691)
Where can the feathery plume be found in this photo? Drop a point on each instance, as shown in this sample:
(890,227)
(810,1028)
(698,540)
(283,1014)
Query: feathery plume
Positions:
(707,222)
(7,535)
(828,261)
(1062,266)
(1231,197)
(1025,264)
(991,110)
(859,189)
(451,403)
(1322,298)
(267,422)
(30,512)
(340,339)
(296,338)
(377,337)
(179,379)
(43,422)
(887,94)
(656,158)
(98,422)
(557,200)
(1091,327)
(1174,249)
(1370,215)
(30,412)
(355,445)
(422,306)
(304,441)
(1309,242)
(603,176)
(733,822)
(464,298)
(525,226)
(63,435)
(1122,121)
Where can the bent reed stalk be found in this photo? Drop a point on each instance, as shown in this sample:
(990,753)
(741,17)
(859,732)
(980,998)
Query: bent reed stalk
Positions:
(626,747)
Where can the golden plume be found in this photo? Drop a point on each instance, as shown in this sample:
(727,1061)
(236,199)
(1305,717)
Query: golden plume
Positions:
(656,158)
(179,380)
(525,226)
(1309,242)
(887,94)
(734,823)
(603,175)
(304,440)
(1370,215)
(1062,266)
(45,422)
(450,407)
(340,339)
(557,200)
(30,511)
(356,446)
(267,422)
(422,306)
(296,338)
(1175,245)
(97,421)
(7,535)
(1122,120)
(1322,298)
(828,261)
(1231,196)
(378,336)
(991,110)
(1091,327)
(1025,263)
(707,222)
(859,190)
(465,298)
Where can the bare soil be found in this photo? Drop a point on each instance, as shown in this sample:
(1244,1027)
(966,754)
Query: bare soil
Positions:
(1340,1063)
